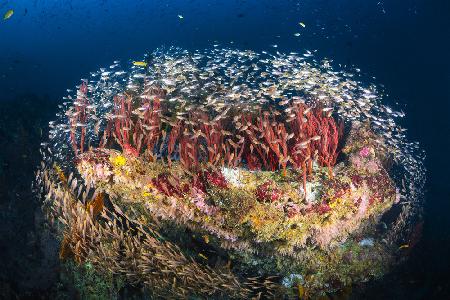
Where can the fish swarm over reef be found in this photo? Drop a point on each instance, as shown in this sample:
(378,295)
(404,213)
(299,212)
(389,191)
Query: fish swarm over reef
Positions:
(230,173)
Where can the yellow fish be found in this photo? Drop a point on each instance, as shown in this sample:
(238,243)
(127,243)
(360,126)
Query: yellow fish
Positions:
(206,238)
(301,291)
(203,256)
(403,246)
(140,63)
(302,24)
(8,14)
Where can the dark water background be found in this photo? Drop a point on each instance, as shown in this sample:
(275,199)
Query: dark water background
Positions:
(47,46)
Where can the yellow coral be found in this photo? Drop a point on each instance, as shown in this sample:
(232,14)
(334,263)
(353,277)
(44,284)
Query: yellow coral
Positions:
(265,221)
(334,203)
(146,194)
(118,161)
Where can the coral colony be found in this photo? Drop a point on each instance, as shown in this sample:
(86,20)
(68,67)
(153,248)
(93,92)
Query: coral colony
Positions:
(233,174)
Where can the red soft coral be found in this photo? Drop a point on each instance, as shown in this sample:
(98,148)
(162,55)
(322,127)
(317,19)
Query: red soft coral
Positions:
(268,192)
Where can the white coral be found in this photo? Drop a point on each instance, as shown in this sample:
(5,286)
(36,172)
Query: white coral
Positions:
(312,191)
(232,176)
(291,279)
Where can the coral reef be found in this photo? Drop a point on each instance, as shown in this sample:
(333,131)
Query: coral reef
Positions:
(202,198)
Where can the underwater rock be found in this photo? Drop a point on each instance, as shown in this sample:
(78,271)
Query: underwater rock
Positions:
(228,173)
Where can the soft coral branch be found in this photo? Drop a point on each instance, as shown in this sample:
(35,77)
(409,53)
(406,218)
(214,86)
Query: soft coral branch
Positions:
(79,118)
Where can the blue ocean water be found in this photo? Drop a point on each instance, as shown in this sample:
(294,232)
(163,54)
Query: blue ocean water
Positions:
(47,46)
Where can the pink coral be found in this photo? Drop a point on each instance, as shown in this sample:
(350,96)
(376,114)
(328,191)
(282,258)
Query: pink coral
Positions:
(364,152)
(372,167)
(363,205)
(323,208)
(102,171)
(356,161)
(325,234)
(198,198)
(293,210)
